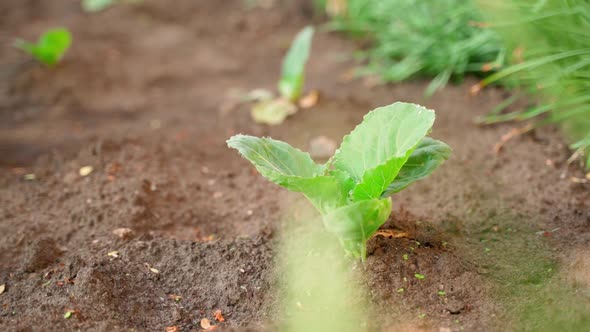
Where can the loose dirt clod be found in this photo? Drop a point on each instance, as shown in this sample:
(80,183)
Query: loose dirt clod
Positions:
(123,233)
(41,254)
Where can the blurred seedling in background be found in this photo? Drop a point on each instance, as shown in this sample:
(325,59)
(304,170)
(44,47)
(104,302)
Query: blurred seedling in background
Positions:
(274,110)
(94,6)
(50,48)
(386,153)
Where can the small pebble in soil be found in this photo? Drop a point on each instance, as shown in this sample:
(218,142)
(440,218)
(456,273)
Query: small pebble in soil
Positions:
(322,147)
(123,233)
(30,177)
(85,170)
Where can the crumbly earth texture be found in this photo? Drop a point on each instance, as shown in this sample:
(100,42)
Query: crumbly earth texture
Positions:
(165,225)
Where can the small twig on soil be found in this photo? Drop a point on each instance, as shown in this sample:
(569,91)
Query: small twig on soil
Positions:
(510,135)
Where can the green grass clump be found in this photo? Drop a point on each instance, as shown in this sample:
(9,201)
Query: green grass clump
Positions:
(50,48)
(429,38)
(550,45)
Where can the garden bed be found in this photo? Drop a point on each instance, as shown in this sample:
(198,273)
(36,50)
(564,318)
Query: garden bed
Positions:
(143,97)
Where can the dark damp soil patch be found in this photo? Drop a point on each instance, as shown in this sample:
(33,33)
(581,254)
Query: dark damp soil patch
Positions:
(140,98)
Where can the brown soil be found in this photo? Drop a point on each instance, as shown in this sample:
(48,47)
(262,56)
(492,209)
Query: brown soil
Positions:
(142,97)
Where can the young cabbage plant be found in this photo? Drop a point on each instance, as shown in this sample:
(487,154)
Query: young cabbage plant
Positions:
(386,153)
(274,111)
(293,70)
(50,48)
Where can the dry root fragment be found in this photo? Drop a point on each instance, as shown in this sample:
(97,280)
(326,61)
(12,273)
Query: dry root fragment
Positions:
(578,180)
(392,233)
(218,316)
(156,271)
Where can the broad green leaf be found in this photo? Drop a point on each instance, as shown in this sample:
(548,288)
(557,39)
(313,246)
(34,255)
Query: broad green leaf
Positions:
(428,155)
(272,112)
(345,181)
(354,224)
(51,46)
(291,168)
(324,192)
(376,180)
(96,5)
(274,159)
(374,152)
(291,82)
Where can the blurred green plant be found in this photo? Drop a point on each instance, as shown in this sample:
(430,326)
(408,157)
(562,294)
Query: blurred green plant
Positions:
(383,155)
(274,111)
(50,48)
(316,296)
(92,6)
(432,38)
(550,45)
(293,70)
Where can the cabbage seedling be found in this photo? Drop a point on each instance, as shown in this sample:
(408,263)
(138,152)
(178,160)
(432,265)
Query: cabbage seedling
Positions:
(293,70)
(386,153)
(50,48)
(275,110)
